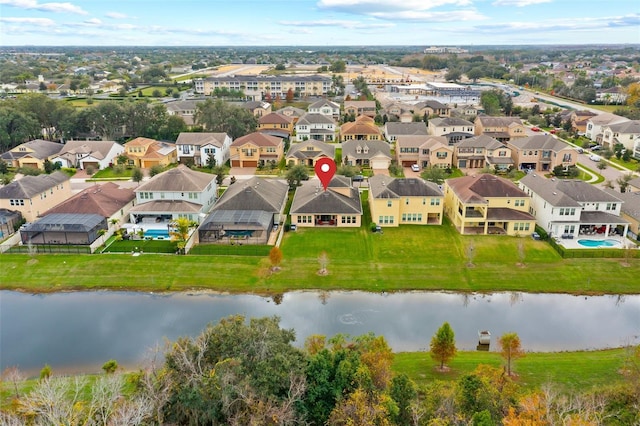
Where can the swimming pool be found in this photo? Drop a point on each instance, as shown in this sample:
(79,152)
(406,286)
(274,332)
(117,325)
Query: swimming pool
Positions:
(598,243)
(158,234)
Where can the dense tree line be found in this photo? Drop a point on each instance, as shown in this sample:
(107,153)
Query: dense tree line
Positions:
(240,372)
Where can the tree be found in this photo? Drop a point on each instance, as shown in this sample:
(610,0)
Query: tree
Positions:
(155,169)
(453,74)
(623,181)
(220,171)
(443,345)
(403,391)
(289,97)
(338,66)
(434,174)
(218,116)
(475,73)
(180,229)
(110,366)
(296,175)
(137,175)
(275,256)
(510,349)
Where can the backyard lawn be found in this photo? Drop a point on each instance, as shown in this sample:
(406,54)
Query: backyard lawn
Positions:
(406,258)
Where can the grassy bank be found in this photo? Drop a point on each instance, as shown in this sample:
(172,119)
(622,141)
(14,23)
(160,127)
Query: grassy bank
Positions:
(573,371)
(404,258)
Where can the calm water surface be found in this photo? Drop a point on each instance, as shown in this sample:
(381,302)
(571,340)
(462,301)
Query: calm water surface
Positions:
(80,331)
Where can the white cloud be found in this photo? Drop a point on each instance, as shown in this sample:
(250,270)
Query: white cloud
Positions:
(46,7)
(336,23)
(364,6)
(116,15)
(564,25)
(519,3)
(41,22)
(93,21)
(455,15)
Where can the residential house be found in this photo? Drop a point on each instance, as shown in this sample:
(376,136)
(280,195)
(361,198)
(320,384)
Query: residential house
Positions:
(31,154)
(468,112)
(630,210)
(394,202)
(634,185)
(431,108)
(247,213)
(596,124)
(454,129)
(146,153)
(481,152)
(258,108)
(196,148)
(541,153)
(487,204)
(364,128)
(82,154)
(308,152)
(315,126)
(611,96)
(398,111)
(636,149)
(337,206)
(176,193)
(424,151)
(357,108)
(502,129)
(107,200)
(570,208)
(579,120)
(624,133)
(392,130)
(275,124)
(293,112)
(256,149)
(325,107)
(185,109)
(33,195)
(374,154)
(10,220)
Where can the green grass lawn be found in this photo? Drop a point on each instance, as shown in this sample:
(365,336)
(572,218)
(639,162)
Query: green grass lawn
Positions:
(410,257)
(145,246)
(574,371)
(110,173)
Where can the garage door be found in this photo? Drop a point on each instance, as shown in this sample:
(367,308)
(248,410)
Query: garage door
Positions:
(408,163)
(94,164)
(250,164)
(235,163)
(149,164)
(379,164)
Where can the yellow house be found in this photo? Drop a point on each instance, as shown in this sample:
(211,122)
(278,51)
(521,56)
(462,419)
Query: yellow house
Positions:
(32,154)
(364,128)
(487,204)
(256,149)
(395,202)
(34,195)
(276,124)
(146,153)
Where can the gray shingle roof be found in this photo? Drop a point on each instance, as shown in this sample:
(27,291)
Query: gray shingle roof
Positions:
(314,118)
(349,149)
(630,202)
(254,194)
(30,186)
(201,139)
(166,206)
(299,150)
(543,142)
(450,121)
(566,193)
(312,199)
(481,141)
(41,150)
(179,179)
(396,128)
(632,126)
(97,149)
(382,186)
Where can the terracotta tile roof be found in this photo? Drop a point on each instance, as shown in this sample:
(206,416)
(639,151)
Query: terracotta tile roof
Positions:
(105,200)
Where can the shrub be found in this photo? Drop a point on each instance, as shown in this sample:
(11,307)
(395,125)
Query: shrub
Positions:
(110,366)
(157,169)
(90,170)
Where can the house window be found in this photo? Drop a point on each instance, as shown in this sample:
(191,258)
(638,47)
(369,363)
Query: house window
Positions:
(16,202)
(611,206)
(406,201)
(348,219)
(389,203)
(441,155)
(435,201)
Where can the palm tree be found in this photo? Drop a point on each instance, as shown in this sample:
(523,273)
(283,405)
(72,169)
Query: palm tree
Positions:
(114,222)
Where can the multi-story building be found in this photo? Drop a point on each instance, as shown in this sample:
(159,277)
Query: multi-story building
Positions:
(541,153)
(33,195)
(256,87)
(256,149)
(196,148)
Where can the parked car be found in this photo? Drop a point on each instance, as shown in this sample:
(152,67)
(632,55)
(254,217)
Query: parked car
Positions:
(594,157)
(535,129)
(580,150)
(357,178)
(415,167)
(596,148)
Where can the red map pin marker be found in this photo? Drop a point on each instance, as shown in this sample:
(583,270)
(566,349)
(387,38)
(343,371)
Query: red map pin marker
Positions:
(325,169)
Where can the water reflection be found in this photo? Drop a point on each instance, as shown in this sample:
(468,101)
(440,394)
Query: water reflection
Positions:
(89,328)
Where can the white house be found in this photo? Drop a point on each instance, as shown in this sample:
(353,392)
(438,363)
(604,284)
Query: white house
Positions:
(624,133)
(83,154)
(570,208)
(176,193)
(196,147)
(325,107)
(315,126)
(596,123)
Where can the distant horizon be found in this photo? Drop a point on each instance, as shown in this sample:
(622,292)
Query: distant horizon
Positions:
(321,23)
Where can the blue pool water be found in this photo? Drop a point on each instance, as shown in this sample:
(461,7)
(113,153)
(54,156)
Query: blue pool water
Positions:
(157,233)
(598,243)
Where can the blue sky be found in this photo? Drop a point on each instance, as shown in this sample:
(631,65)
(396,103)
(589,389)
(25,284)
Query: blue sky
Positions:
(317,22)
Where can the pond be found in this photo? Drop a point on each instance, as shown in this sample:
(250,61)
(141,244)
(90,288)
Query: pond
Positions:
(78,332)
